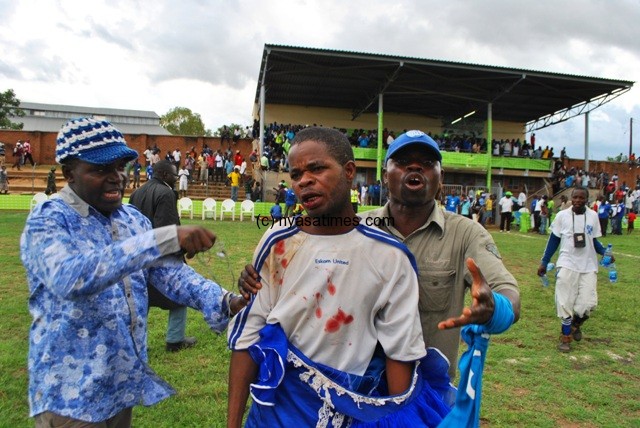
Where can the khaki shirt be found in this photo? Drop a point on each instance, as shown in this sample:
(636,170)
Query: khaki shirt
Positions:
(440,248)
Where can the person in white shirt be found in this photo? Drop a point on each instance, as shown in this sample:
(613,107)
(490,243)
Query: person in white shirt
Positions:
(629,202)
(177,156)
(312,318)
(522,200)
(147,156)
(575,231)
(506,208)
(219,172)
(363,194)
(183,176)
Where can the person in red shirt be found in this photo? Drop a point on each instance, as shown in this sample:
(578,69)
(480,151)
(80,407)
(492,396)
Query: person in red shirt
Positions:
(631,217)
(609,190)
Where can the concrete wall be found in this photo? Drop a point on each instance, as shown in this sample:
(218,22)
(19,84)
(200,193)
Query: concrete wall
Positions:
(43,144)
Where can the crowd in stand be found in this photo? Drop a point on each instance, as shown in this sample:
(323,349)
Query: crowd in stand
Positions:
(208,166)
(217,166)
(278,139)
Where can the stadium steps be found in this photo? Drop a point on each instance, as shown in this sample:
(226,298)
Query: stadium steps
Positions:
(33,180)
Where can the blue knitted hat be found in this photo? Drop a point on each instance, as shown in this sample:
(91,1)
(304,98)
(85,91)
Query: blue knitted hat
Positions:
(92,141)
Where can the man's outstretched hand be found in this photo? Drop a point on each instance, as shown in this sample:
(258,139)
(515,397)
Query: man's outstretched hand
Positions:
(195,239)
(482,305)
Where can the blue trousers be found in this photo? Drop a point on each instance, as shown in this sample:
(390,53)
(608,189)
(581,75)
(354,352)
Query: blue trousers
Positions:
(177,324)
(177,315)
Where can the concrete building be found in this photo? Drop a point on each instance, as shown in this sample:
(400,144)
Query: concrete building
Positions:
(51,117)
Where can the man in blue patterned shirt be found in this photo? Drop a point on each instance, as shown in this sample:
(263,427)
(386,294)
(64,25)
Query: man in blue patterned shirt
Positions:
(88,259)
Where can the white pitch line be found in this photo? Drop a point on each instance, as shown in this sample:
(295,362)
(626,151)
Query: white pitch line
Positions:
(627,255)
(616,254)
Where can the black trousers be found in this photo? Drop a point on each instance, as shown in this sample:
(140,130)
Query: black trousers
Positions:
(505,221)
(604,222)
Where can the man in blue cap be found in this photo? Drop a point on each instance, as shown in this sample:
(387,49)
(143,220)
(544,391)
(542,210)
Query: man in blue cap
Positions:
(442,244)
(88,259)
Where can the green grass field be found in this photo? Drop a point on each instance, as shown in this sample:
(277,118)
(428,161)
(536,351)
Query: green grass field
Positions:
(526,383)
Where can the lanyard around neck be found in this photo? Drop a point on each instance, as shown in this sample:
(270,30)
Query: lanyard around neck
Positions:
(573,218)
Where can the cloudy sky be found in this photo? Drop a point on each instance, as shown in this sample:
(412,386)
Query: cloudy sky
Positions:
(205,54)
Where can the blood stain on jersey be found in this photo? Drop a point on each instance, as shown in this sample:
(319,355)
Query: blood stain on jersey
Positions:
(331,287)
(284,263)
(493,249)
(336,321)
(279,249)
(318,297)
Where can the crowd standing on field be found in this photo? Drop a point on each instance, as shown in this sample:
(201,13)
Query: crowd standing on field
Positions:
(617,205)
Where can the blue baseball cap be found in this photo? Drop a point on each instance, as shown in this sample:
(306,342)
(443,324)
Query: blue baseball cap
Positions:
(93,141)
(413,137)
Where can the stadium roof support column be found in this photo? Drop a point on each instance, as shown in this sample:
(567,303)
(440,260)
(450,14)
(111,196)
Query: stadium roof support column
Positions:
(586,142)
(489,144)
(262,101)
(380,128)
(262,93)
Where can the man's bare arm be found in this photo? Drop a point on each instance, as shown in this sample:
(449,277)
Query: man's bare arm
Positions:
(242,371)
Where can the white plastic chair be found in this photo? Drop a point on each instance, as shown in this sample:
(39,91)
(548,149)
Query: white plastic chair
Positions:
(185,205)
(247,206)
(228,206)
(37,198)
(209,207)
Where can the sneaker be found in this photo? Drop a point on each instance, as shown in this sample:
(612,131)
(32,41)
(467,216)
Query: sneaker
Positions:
(565,344)
(188,342)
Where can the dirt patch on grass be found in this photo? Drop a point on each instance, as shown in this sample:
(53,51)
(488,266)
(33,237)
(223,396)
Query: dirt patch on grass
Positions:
(568,424)
(603,340)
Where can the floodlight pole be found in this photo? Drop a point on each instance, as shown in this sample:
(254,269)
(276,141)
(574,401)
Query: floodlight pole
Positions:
(489,144)
(262,101)
(380,128)
(630,137)
(586,141)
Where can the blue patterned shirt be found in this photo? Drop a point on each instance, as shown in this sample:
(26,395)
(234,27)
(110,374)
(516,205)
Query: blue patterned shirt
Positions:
(87,278)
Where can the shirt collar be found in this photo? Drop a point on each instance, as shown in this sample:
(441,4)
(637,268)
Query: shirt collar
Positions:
(74,201)
(436,217)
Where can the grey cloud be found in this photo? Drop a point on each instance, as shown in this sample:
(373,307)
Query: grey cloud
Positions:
(35,63)
(113,32)
(203,43)
(10,71)
(504,32)
(111,35)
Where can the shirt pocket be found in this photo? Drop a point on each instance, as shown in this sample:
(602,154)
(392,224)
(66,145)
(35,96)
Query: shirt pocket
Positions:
(436,288)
